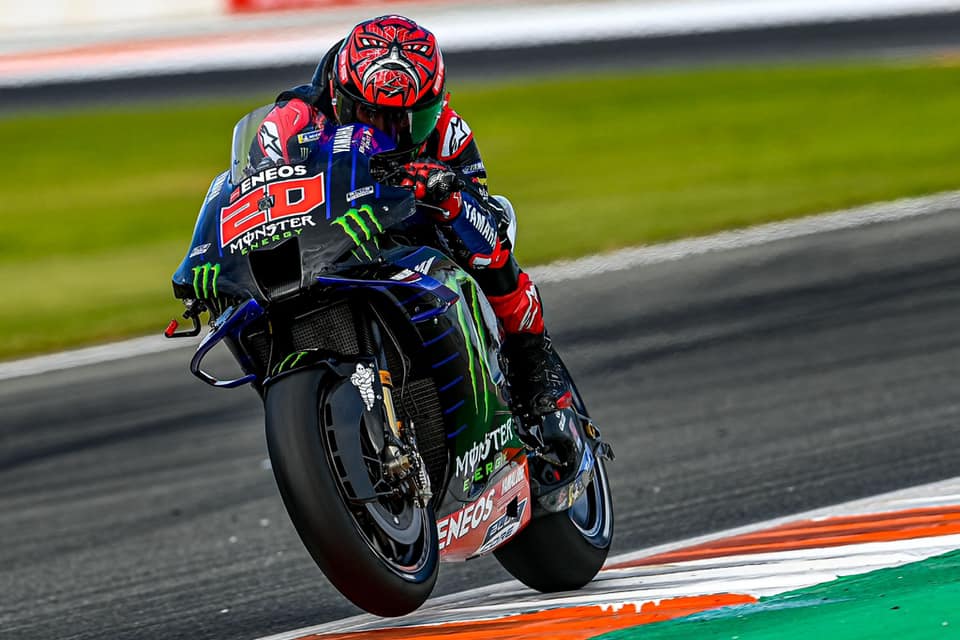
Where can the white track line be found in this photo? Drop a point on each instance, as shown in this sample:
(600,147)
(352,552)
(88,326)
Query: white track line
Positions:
(92,355)
(748,237)
(569,269)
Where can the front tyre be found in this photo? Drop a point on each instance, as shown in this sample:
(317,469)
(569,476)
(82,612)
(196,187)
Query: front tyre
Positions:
(384,568)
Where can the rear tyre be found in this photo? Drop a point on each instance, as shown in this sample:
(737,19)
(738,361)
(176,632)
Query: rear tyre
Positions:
(386,569)
(564,551)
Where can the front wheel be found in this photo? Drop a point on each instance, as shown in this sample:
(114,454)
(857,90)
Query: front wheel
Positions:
(382,555)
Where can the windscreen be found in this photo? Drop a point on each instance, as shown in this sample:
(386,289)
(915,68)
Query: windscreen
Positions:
(244,137)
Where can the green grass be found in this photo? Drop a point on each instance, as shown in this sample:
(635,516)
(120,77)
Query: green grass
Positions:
(98,207)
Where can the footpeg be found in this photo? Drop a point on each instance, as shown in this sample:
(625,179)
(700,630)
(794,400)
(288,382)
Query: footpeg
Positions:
(605,451)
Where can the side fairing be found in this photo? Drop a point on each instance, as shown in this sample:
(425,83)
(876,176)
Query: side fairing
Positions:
(460,349)
(203,273)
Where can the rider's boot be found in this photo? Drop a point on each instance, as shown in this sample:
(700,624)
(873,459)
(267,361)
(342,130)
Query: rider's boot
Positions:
(535,375)
(539,387)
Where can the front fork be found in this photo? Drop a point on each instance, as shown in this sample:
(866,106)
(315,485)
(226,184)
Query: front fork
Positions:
(387,383)
(402,460)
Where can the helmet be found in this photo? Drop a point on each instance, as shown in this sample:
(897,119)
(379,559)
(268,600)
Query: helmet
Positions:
(389,73)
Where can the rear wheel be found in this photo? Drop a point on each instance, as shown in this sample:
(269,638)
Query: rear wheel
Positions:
(382,555)
(564,551)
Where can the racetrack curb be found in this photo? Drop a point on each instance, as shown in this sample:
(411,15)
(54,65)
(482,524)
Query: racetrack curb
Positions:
(630,582)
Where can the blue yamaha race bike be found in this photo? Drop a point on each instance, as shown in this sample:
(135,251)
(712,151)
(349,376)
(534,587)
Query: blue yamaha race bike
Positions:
(388,420)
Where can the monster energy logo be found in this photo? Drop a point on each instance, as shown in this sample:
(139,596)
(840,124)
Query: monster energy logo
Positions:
(289,362)
(360,218)
(205,280)
(478,360)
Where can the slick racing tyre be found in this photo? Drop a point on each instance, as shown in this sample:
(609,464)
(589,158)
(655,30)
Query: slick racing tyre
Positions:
(383,556)
(564,551)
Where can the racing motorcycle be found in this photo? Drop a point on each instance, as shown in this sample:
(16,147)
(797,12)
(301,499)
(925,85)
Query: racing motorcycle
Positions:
(388,421)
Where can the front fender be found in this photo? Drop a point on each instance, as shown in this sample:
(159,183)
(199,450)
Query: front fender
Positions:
(321,396)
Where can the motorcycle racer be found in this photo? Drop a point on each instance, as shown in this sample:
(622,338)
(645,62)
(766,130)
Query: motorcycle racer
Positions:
(389,73)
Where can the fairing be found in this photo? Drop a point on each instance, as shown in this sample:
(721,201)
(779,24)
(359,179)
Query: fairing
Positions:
(329,205)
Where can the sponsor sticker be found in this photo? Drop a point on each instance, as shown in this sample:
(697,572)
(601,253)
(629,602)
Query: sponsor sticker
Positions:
(458,525)
(360,224)
(270,211)
(271,234)
(200,250)
(362,379)
(495,440)
(205,281)
(310,136)
(366,141)
(501,529)
(271,175)
(342,139)
(511,480)
(215,187)
(360,193)
(471,169)
(479,221)
(455,138)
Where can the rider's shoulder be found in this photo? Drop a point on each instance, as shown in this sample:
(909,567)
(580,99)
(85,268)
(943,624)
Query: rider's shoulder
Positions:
(453,135)
(303,93)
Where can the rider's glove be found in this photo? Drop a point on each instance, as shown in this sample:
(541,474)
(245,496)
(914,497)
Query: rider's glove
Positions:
(434,184)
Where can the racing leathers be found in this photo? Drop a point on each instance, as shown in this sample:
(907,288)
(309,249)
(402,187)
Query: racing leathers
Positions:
(474,224)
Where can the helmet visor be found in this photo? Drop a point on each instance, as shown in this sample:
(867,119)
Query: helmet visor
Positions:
(408,127)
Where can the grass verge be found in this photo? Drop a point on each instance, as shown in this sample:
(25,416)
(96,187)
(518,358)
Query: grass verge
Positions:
(99,206)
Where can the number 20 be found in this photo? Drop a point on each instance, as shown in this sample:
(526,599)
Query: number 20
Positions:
(290,198)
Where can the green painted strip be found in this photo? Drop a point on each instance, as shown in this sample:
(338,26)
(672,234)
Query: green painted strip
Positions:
(295,356)
(482,356)
(356,217)
(469,346)
(196,281)
(284,362)
(297,359)
(373,218)
(346,227)
(918,601)
(216,275)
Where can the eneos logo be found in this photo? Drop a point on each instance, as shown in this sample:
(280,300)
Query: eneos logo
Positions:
(459,524)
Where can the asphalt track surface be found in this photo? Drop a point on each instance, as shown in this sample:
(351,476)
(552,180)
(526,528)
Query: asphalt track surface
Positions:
(735,386)
(904,36)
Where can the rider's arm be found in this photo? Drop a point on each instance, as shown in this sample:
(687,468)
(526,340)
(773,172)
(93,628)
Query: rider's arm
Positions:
(452,143)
